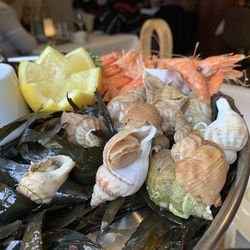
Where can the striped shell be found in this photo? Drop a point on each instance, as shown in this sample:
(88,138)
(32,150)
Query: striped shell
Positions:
(229,130)
(203,174)
(142,114)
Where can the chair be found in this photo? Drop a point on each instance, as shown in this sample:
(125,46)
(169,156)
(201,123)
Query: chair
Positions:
(164,35)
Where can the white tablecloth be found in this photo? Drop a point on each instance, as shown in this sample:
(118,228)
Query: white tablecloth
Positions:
(100,44)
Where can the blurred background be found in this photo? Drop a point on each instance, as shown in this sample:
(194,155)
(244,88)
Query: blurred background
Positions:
(190,20)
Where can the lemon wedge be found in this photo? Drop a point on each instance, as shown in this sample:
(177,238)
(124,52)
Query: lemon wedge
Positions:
(46,82)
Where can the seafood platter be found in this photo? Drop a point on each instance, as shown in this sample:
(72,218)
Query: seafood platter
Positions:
(123,151)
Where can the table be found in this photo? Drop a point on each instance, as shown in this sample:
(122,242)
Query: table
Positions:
(100,44)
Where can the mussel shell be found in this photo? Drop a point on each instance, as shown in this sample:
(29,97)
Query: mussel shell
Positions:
(13,205)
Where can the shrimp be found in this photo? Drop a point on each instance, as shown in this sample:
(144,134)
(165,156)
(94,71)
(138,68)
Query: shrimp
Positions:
(119,70)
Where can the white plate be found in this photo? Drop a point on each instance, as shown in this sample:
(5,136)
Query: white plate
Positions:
(22,58)
(242,218)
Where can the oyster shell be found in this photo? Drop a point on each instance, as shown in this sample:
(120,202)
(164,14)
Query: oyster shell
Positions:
(115,182)
(119,105)
(229,130)
(44,178)
(142,114)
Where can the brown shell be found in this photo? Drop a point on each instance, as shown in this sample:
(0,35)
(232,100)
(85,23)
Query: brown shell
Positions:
(187,146)
(203,174)
(83,134)
(152,84)
(182,127)
(142,114)
(70,122)
(122,149)
(161,141)
(119,105)
(170,95)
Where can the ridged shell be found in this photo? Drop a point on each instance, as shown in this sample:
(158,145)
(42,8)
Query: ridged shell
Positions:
(70,122)
(168,115)
(159,142)
(83,132)
(182,127)
(44,178)
(142,114)
(151,84)
(198,114)
(187,146)
(112,183)
(228,130)
(203,174)
(170,95)
(119,105)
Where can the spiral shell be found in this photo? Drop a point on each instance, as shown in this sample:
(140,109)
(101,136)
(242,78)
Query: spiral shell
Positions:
(119,105)
(113,181)
(198,114)
(83,132)
(44,178)
(182,127)
(159,142)
(170,95)
(204,174)
(186,147)
(229,130)
(142,114)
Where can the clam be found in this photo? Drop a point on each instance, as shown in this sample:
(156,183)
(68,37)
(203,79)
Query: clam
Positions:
(44,178)
(142,114)
(125,164)
(79,129)
(119,105)
(165,192)
(229,130)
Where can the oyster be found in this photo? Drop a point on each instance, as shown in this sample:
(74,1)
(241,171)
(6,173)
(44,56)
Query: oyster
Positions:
(112,180)
(142,114)
(229,130)
(44,178)
(79,129)
(164,190)
(119,105)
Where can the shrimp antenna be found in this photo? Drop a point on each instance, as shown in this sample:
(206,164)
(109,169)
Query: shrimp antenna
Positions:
(195,49)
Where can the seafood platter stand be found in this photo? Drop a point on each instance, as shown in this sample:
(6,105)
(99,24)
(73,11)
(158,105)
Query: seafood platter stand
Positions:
(123,151)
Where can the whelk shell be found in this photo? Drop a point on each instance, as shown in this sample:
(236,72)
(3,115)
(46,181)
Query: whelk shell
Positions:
(164,191)
(44,178)
(229,130)
(115,182)
(119,105)
(203,171)
(142,114)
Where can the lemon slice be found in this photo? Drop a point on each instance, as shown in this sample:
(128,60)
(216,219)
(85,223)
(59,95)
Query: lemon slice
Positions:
(46,82)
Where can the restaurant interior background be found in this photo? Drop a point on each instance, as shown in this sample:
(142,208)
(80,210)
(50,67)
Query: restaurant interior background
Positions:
(196,20)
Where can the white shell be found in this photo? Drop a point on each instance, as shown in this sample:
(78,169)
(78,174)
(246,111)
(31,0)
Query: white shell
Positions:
(229,130)
(113,183)
(44,178)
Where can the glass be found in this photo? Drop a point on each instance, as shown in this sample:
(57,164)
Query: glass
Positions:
(79,18)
